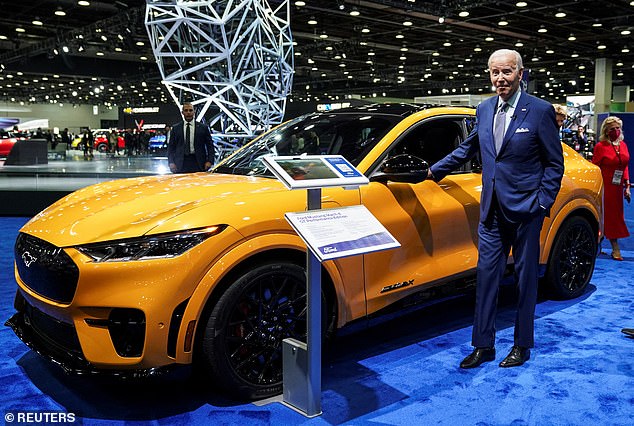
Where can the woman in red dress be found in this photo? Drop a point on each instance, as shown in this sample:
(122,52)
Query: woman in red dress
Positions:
(612,156)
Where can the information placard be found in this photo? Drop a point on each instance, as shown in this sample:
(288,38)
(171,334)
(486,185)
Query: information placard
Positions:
(341,232)
(314,171)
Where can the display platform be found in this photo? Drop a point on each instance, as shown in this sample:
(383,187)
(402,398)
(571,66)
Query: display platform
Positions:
(27,189)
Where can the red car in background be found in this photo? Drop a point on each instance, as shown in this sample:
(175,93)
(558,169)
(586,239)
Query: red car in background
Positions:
(101,142)
(7,140)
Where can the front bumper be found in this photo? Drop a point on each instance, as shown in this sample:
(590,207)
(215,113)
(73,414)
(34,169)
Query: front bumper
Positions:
(57,342)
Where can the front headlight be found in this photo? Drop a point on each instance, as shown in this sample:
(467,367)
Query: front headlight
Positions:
(149,247)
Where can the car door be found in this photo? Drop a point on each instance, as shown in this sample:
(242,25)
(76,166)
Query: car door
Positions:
(436,223)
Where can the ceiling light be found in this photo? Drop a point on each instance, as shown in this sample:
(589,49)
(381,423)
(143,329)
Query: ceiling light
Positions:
(399,35)
(65,49)
(60,12)
(542,29)
(441,20)
(20,30)
(477,49)
(572,37)
(408,23)
(521,4)
(355,11)
(404,49)
(560,14)
(446,44)
(36,21)
(519,44)
(300,3)
(100,53)
(550,51)
(312,21)
(83,3)
(574,55)
(365,30)
(140,43)
(626,32)
(489,38)
(463,14)
(625,50)
(597,24)
(503,23)
(601,46)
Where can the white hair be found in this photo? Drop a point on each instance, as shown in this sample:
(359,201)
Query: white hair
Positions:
(502,52)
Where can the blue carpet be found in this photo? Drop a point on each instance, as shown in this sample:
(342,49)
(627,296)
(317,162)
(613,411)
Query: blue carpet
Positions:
(402,371)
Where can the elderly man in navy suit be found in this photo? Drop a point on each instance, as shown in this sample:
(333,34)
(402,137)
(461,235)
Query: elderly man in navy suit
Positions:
(516,135)
(190,147)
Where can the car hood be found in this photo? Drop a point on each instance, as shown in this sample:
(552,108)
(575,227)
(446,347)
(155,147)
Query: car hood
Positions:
(133,207)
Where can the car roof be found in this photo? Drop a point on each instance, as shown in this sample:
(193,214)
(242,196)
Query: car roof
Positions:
(399,109)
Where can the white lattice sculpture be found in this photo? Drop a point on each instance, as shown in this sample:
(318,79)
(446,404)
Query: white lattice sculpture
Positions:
(232,59)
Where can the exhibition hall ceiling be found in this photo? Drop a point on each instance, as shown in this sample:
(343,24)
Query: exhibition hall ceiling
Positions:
(97,52)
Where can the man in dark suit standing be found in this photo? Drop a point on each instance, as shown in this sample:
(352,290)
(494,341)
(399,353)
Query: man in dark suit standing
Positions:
(522,166)
(190,148)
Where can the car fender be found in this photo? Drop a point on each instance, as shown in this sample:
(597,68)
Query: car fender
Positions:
(571,208)
(238,254)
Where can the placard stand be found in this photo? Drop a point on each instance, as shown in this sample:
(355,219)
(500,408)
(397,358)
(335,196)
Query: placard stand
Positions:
(360,233)
(302,361)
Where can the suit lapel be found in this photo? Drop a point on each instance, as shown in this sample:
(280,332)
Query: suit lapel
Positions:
(521,110)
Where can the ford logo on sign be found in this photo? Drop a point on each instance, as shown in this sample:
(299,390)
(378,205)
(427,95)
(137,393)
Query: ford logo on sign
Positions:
(27,258)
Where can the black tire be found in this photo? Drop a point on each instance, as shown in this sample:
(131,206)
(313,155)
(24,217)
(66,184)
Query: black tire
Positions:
(102,147)
(241,346)
(572,258)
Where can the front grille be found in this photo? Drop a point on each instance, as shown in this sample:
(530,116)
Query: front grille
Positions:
(53,332)
(45,268)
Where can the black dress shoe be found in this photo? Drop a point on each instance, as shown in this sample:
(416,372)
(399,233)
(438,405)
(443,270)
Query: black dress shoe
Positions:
(477,357)
(629,332)
(516,357)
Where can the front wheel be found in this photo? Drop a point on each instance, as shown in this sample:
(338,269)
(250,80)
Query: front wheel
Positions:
(241,346)
(572,258)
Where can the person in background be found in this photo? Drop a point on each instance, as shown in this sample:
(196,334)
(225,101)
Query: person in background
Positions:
(113,142)
(65,137)
(129,142)
(580,139)
(522,168)
(560,114)
(195,154)
(88,141)
(612,156)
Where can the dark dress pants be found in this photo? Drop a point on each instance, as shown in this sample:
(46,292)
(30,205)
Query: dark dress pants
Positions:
(190,164)
(496,237)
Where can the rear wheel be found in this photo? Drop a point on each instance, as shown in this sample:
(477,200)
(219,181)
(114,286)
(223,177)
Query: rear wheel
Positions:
(572,258)
(102,147)
(242,340)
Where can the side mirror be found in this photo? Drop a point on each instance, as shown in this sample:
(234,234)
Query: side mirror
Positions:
(403,168)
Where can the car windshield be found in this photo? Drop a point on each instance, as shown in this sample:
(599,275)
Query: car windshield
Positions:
(350,135)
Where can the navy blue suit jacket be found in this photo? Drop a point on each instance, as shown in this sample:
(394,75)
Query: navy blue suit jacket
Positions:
(526,174)
(203,145)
